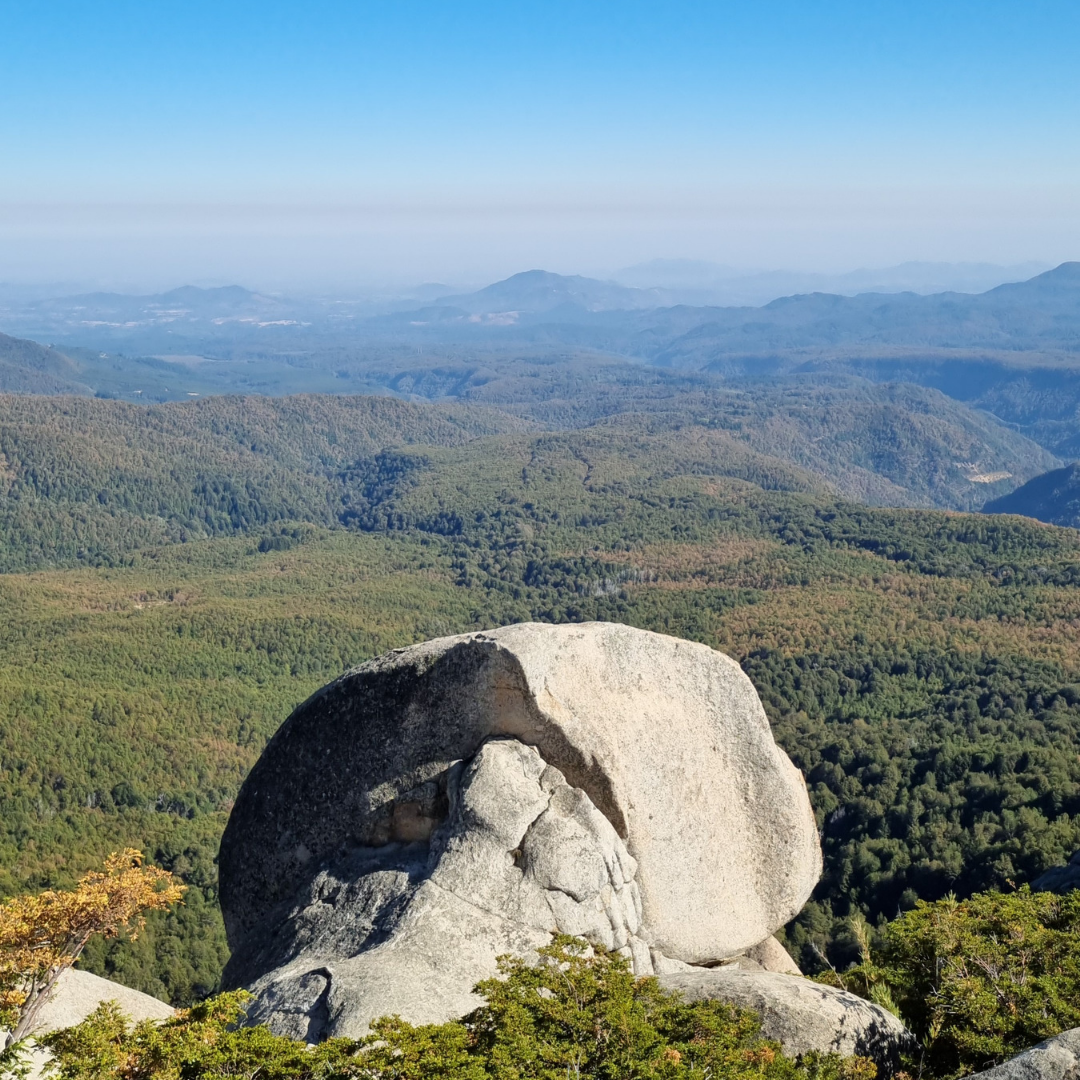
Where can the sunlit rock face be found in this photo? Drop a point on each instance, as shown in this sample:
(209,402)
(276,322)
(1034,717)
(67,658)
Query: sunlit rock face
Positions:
(468,797)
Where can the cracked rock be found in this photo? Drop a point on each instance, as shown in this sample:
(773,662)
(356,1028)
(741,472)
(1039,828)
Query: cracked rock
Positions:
(469,797)
(410,928)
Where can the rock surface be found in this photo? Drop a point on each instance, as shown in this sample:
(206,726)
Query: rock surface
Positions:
(469,796)
(800,1014)
(1055,1059)
(76,995)
(411,928)
(1060,879)
(79,993)
(772,956)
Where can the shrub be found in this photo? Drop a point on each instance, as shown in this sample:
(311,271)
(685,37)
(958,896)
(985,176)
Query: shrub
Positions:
(42,935)
(978,980)
(577,1014)
(201,1042)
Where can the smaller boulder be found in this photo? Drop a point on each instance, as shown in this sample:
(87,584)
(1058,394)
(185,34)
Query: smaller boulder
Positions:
(801,1015)
(1059,879)
(772,956)
(78,993)
(1055,1059)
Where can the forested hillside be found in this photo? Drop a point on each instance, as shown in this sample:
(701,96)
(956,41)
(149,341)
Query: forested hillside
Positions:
(29,368)
(1053,497)
(85,481)
(922,668)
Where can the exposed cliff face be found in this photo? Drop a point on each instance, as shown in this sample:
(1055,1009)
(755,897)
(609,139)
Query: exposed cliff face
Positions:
(470,796)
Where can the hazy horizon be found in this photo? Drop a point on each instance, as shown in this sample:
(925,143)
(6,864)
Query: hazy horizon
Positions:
(138,250)
(346,146)
(670,274)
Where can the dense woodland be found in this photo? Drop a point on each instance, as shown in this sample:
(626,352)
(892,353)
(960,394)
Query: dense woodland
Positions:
(922,668)
(85,481)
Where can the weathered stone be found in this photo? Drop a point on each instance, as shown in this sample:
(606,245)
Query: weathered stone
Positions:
(1060,879)
(470,796)
(772,956)
(666,737)
(1055,1059)
(411,928)
(800,1014)
(78,993)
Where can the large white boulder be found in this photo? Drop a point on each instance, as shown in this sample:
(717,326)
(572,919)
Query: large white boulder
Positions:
(667,775)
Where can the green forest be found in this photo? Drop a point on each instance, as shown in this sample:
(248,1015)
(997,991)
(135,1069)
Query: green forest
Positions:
(177,579)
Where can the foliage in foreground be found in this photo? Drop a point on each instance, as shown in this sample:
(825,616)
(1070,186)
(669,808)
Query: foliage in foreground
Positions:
(577,1014)
(42,935)
(978,980)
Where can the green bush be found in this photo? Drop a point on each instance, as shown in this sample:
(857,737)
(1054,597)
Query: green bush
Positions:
(576,1014)
(978,980)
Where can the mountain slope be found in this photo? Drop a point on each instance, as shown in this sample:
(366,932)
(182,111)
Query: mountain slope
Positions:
(1053,497)
(891,445)
(29,368)
(85,480)
(1038,314)
(538,292)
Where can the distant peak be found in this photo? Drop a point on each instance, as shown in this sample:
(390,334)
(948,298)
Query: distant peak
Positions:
(1068,271)
(223,292)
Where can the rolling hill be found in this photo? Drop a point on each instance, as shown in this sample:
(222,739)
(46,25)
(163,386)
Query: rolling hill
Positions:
(29,368)
(84,481)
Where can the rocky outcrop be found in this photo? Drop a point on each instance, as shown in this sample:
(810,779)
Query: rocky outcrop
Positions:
(1055,1059)
(78,993)
(1059,879)
(469,796)
(800,1014)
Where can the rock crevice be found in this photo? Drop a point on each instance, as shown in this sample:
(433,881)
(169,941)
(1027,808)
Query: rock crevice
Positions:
(472,796)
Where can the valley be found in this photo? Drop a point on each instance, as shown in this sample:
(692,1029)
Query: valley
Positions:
(920,667)
(178,575)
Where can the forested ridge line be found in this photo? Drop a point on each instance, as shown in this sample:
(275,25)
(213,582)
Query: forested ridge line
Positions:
(86,482)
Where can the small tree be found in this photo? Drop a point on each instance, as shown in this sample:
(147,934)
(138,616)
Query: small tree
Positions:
(977,980)
(42,935)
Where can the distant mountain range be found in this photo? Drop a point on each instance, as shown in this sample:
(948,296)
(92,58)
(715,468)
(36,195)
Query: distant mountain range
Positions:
(1042,314)
(568,351)
(689,281)
(538,307)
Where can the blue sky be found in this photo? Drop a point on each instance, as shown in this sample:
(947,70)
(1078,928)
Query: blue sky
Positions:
(432,139)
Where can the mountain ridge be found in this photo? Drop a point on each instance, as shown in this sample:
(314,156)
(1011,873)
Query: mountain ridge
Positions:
(1052,497)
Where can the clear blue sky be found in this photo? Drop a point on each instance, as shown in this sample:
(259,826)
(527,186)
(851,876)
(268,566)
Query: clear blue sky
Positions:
(478,137)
